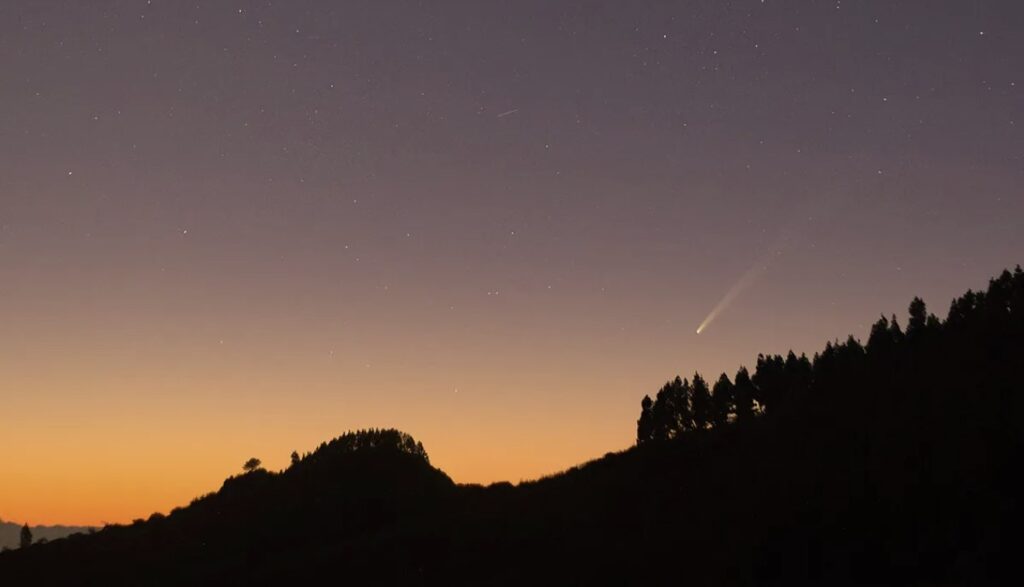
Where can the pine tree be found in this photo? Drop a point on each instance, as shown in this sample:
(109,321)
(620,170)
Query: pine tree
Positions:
(645,425)
(662,415)
(918,318)
(797,373)
(26,536)
(743,396)
(671,411)
(701,398)
(721,401)
(683,392)
(880,339)
(769,381)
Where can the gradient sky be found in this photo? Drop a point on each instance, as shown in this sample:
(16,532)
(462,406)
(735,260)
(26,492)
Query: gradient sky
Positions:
(235,229)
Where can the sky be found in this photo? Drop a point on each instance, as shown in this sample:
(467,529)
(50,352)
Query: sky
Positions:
(237,229)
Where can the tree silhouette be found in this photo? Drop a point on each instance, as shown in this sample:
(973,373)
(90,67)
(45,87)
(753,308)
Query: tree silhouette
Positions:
(743,396)
(895,332)
(387,440)
(295,457)
(701,402)
(769,381)
(797,374)
(251,465)
(661,418)
(683,394)
(721,401)
(645,425)
(961,310)
(880,340)
(979,328)
(26,536)
(918,317)
(671,411)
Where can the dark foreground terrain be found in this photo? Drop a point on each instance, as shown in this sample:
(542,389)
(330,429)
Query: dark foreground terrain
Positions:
(10,533)
(893,462)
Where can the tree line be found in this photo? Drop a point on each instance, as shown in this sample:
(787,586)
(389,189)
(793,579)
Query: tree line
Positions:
(684,405)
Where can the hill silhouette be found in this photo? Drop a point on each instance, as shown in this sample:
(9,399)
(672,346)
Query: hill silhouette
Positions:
(890,462)
(10,533)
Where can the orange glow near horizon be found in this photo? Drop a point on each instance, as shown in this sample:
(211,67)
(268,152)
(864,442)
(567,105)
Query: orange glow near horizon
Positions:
(96,464)
(110,415)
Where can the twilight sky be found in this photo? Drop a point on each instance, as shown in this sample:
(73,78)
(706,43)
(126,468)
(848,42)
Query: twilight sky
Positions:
(235,229)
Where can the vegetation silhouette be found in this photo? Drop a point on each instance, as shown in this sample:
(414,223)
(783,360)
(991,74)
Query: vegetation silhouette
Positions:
(26,537)
(252,465)
(893,462)
(10,533)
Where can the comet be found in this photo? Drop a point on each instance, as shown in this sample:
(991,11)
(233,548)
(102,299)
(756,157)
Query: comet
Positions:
(745,281)
(742,284)
(816,208)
